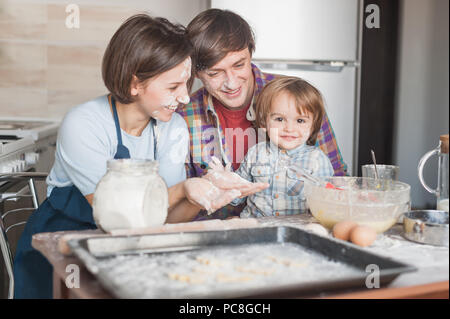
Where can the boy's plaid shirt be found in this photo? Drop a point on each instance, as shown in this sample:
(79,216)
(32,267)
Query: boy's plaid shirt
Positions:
(207,138)
(267,163)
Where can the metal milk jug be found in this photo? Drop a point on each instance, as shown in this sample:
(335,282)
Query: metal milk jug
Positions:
(441,191)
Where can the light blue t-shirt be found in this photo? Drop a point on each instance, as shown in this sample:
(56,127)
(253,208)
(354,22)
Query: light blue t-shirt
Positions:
(87,139)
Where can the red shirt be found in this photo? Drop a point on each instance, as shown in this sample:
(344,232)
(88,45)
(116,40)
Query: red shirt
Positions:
(236,129)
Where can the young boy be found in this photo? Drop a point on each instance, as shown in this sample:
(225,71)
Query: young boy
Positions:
(290,110)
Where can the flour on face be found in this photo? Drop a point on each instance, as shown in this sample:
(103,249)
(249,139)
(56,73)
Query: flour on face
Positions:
(186,74)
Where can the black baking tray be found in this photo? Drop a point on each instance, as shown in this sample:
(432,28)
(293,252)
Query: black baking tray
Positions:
(91,251)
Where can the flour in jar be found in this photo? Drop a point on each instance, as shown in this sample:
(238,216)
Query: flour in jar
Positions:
(130,195)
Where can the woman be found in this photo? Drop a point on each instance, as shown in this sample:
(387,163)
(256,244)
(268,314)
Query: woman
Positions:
(146,67)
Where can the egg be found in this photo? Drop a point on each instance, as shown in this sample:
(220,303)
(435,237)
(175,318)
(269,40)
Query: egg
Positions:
(343,229)
(363,236)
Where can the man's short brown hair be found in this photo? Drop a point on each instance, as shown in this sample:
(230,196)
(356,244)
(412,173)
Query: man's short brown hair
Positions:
(307,98)
(214,33)
(144,47)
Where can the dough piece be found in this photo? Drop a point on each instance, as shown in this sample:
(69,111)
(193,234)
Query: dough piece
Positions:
(224,278)
(187,278)
(209,262)
(287,262)
(265,272)
(203,270)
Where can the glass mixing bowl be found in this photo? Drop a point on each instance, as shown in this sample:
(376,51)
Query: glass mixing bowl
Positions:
(367,201)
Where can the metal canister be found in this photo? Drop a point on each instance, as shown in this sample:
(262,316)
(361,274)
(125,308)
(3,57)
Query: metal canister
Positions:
(426,227)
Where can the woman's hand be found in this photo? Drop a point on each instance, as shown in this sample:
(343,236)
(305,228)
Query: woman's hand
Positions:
(219,187)
(252,188)
(223,178)
(203,193)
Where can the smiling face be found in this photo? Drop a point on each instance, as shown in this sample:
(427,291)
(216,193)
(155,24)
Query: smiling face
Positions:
(231,79)
(286,126)
(160,96)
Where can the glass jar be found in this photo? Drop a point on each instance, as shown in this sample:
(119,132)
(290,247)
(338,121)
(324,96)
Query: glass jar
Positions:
(130,195)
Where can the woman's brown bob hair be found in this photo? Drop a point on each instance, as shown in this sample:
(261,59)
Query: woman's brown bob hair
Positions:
(308,100)
(214,33)
(144,47)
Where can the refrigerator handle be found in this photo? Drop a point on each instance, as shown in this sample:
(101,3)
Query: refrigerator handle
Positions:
(320,66)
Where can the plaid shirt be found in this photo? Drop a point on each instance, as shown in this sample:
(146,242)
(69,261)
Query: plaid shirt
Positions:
(208,138)
(266,163)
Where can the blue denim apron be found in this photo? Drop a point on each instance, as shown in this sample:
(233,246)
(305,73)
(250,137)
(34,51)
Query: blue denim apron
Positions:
(65,209)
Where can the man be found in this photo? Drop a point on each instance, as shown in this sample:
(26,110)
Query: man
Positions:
(220,116)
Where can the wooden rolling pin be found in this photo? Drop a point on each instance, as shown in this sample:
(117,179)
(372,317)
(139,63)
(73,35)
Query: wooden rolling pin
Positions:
(207,225)
(215,224)
(64,248)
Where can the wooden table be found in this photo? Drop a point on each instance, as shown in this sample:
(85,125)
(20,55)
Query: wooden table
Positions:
(431,281)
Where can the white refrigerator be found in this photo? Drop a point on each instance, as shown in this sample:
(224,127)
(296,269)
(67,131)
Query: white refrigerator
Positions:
(319,41)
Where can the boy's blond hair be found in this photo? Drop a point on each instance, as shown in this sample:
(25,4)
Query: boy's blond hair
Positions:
(307,97)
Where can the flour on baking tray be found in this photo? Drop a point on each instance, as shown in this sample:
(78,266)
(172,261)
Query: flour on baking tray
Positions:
(220,270)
